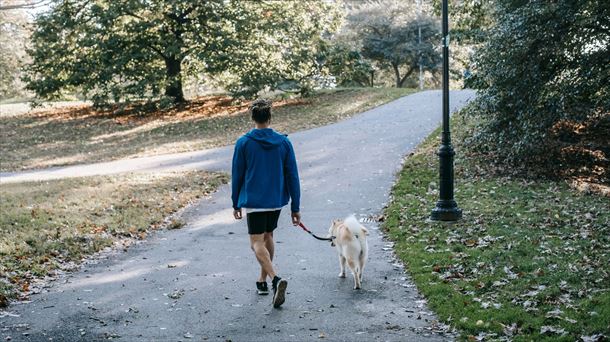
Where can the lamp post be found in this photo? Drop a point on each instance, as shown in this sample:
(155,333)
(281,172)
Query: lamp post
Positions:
(446,208)
(421,73)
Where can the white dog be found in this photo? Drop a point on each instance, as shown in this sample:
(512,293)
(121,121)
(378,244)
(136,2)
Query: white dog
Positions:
(350,241)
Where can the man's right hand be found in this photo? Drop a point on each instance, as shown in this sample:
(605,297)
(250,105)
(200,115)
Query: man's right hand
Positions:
(296,218)
(237,214)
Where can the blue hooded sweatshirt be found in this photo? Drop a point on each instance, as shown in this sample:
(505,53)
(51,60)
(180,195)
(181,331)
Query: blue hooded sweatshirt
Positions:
(264,172)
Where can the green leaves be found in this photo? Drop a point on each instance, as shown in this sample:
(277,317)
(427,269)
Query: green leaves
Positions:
(284,39)
(543,66)
(125,50)
(389,31)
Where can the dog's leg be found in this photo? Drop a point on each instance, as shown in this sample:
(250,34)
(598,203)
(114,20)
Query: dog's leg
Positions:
(342,266)
(362,263)
(355,272)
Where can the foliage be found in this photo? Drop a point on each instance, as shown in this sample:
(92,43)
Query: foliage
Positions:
(124,50)
(526,263)
(469,20)
(13,34)
(347,65)
(545,65)
(389,33)
(280,46)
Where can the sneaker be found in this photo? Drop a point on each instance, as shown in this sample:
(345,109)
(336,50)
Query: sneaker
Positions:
(279,291)
(261,288)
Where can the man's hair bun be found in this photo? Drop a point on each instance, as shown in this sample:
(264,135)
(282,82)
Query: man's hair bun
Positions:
(261,110)
(260,104)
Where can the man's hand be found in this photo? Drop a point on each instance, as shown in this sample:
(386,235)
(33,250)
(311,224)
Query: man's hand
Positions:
(296,218)
(237,214)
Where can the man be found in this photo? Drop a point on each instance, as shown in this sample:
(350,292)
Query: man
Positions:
(264,178)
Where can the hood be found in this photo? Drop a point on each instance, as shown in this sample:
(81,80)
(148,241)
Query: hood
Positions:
(266,137)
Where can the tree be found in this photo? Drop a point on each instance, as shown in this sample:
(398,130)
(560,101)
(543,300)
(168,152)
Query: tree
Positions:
(120,50)
(469,22)
(281,48)
(346,64)
(389,32)
(469,19)
(14,30)
(543,66)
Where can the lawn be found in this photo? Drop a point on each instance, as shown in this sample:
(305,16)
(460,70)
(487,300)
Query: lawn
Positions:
(74,135)
(528,261)
(52,225)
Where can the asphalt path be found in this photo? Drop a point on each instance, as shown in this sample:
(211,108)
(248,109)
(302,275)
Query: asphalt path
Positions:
(197,283)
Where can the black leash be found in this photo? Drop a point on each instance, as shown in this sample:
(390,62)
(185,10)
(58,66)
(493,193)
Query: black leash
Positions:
(314,235)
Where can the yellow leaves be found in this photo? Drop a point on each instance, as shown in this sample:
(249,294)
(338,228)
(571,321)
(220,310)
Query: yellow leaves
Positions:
(96,229)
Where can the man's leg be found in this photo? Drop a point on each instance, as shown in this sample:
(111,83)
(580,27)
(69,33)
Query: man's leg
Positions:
(258,245)
(269,245)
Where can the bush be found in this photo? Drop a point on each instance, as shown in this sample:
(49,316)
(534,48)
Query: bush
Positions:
(543,64)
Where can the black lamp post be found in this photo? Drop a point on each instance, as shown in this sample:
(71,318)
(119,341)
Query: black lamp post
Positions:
(446,208)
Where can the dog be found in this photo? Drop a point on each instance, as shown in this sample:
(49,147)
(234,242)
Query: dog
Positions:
(349,238)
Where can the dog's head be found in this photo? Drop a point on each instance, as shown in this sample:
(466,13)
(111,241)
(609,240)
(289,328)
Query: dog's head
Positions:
(332,231)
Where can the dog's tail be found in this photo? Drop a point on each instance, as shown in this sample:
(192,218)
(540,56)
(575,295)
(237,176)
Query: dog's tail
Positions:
(358,230)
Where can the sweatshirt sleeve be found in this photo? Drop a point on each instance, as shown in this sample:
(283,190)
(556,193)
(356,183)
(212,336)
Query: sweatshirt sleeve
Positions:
(238,171)
(292,179)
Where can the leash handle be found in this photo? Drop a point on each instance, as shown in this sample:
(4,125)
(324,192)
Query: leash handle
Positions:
(304,228)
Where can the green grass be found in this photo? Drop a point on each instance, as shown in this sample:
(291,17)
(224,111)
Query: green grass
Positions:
(46,226)
(527,254)
(81,135)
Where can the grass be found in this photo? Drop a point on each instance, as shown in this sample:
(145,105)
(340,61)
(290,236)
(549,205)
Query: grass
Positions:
(48,226)
(528,261)
(80,134)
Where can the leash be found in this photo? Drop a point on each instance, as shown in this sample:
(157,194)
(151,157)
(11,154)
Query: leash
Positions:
(314,235)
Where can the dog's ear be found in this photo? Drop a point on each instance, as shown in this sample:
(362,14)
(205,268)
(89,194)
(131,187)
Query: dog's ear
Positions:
(364,230)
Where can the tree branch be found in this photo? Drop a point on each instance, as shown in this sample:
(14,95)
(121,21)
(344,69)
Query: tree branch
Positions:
(32,4)
(129,13)
(402,80)
(157,50)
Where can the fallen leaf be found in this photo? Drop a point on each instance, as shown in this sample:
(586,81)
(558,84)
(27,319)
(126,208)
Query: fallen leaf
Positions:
(593,338)
(547,329)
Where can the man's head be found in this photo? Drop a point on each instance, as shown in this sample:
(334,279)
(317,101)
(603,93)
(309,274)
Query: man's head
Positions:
(261,111)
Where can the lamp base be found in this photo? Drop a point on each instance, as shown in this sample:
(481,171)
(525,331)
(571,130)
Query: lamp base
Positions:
(446,211)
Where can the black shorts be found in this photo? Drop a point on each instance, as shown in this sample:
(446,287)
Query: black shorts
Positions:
(260,222)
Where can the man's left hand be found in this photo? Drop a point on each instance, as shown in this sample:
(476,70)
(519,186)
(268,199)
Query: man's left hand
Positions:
(296,218)
(237,214)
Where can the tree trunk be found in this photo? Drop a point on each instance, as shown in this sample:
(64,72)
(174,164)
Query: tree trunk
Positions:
(397,74)
(173,67)
(402,80)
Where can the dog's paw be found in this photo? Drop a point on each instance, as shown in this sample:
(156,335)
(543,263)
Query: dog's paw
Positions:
(342,275)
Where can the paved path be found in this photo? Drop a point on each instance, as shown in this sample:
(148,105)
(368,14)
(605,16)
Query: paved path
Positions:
(208,268)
